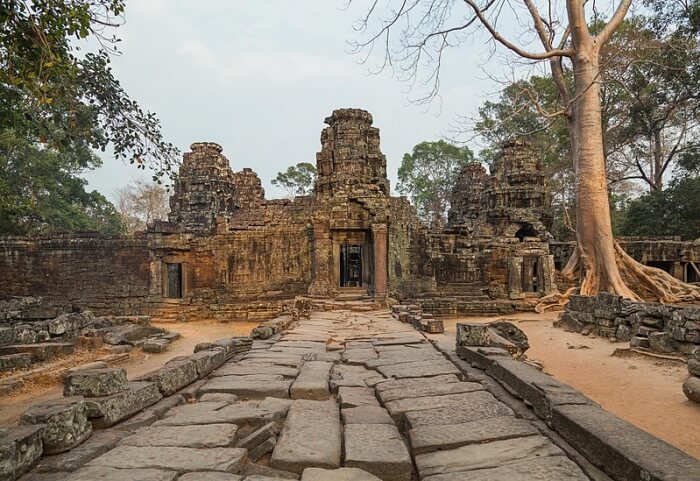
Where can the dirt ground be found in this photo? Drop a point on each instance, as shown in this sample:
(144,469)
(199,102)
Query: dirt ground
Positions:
(642,390)
(12,406)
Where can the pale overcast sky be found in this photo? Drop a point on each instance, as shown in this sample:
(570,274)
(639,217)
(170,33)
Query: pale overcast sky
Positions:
(259,77)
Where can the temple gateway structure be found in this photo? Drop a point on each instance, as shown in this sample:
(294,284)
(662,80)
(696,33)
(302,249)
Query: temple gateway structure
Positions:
(228,253)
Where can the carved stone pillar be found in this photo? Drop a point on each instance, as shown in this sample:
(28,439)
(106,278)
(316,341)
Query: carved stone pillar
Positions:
(381,275)
(515,269)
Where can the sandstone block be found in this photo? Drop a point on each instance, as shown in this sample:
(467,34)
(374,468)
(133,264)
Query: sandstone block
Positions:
(378,449)
(247,387)
(694,367)
(20,449)
(15,361)
(351,397)
(195,436)
(65,423)
(175,459)
(557,468)
(473,335)
(312,382)
(93,473)
(98,444)
(108,410)
(366,415)
(95,382)
(340,474)
(210,476)
(206,361)
(172,377)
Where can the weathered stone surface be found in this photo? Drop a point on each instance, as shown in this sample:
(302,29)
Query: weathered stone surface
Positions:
(691,388)
(210,476)
(409,383)
(480,405)
(485,456)
(93,473)
(218,397)
(694,367)
(473,335)
(351,397)
(429,389)
(196,436)
(262,449)
(95,382)
(255,414)
(620,449)
(400,407)
(98,444)
(65,423)
(549,468)
(378,449)
(206,361)
(340,474)
(15,361)
(419,369)
(108,410)
(366,415)
(257,472)
(155,346)
(258,436)
(172,377)
(247,387)
(310,438)
(173,458)
(20,449)
(43,351)
(246,370)
(425,439)
(312,382)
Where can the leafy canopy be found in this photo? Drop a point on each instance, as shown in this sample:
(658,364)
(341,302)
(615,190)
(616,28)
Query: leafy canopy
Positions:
(428,174)
(297,179)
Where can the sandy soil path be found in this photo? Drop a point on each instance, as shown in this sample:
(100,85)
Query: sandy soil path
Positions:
(11,407)
(642,390)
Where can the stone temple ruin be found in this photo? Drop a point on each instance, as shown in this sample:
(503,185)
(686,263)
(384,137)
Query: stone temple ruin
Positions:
(357,394)
(228,253)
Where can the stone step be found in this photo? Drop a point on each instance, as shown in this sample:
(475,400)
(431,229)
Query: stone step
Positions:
(310,438)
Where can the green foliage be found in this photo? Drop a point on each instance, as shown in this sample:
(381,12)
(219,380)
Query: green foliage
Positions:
(65,100)
(428,174)
(297,179)
(41,192)
(674,211)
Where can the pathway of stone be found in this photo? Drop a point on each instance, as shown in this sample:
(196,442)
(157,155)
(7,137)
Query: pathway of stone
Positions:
(342,396)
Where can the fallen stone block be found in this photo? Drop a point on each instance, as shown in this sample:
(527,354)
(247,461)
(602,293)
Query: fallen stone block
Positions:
(155,346)
(473,334)
(195,436)
(95,382)
(432,326)
(65,423)
(378,449)
(20,449)
(106,411)
(172,377)
(340,474)
(176,459)
(15,361)
(310,438)
(312,382)
(93,473)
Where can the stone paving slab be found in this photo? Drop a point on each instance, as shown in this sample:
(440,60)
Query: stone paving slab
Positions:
(409,383)
(485,456)
(426,439)
(95,473)
(400,407)
(429,389)
(173,458)
(222,413)
(551,468)
(352,397)
(378,449)
(310,438)
(340,474)
(195,436)
(366,415)
(247,388)
(481,405)
(419,369)
(312,382)
(210,476)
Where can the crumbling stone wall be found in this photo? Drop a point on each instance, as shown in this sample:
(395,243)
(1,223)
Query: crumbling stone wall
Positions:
(658,327)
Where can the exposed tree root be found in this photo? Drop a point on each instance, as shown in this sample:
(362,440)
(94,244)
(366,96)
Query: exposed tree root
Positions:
(639,282)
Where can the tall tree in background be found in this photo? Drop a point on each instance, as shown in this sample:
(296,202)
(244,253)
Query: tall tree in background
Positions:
(297,179)
(140,204)
(428,174)
(41,191)
(66,100)
(429,27)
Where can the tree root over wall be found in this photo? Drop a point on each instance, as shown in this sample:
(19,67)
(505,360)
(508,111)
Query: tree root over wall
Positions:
(636,282)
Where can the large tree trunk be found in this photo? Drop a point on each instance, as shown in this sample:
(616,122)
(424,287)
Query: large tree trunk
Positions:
(597,257)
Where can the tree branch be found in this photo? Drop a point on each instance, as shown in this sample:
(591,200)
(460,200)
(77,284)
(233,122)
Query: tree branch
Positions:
(614,23)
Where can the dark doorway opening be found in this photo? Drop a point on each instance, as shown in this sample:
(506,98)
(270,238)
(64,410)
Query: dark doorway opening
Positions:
(531,274)
(350,265)
(174,290)
(526,231)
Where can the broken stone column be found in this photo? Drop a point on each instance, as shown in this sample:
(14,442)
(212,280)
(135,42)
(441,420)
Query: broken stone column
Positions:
(65,423)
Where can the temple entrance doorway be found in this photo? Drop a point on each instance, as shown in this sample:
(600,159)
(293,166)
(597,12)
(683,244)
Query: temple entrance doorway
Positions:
(350,265)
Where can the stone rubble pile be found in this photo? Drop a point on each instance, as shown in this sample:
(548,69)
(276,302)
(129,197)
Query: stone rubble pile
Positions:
(413,314)
(657,327)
